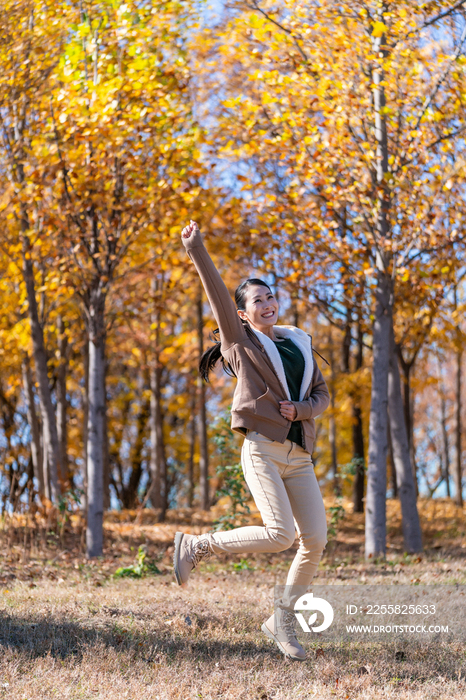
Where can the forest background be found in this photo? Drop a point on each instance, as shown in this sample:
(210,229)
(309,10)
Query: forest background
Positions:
(319,146)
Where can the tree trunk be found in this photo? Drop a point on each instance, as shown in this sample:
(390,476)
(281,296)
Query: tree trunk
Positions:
(358,435)
(458,386)
(203,448)
(393,481)
(404,472)
(130,494)
(158,466)
(332,421)
(155,495)
(115,450)
(192,445)
(408,411)
(358,455)
(85,422)
(357,429)
(106,459)
(52,464)
(45,468)
(30,484)
(346,345)
(36,449)
(51,453)
(378,422)
(61,398)
(95,426)
(458,435)
(445,443)
(295,310)
(377,463)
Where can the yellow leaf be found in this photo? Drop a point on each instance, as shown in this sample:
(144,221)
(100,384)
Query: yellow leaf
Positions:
(379,29)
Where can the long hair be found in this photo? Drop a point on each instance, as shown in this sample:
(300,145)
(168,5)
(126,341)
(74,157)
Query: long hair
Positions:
(212,355)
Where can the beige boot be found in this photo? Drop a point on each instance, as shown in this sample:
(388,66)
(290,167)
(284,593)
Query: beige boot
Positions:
(189,551)
(280,627)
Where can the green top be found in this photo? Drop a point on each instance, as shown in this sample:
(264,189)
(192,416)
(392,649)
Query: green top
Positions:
(293,364)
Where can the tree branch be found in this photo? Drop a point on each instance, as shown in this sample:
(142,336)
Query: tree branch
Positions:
(440,16)
(429,98)
(255,6)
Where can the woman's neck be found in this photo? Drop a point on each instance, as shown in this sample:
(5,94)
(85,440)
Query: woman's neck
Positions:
(266,330)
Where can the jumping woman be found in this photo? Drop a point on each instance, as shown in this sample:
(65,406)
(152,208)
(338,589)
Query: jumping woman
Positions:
(279,392)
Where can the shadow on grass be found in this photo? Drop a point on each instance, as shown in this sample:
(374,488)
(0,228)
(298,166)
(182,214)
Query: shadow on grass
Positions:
(35,636)
(39,637)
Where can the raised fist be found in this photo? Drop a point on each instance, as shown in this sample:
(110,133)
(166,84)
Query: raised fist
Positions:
(189,229)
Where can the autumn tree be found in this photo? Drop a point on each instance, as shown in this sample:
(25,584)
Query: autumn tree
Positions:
(31,36)
(358,108)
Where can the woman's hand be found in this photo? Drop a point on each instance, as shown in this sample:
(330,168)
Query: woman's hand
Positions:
(288,410)
(189,229)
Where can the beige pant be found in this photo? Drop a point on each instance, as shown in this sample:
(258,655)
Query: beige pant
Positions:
(284,487)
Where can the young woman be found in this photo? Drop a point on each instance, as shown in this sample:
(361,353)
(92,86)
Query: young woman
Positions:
(279,392)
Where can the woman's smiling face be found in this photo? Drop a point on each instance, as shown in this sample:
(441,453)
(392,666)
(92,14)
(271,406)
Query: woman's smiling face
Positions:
(261,307)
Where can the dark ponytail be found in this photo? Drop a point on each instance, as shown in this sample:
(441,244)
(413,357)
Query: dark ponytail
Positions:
(210,358)
(213,354)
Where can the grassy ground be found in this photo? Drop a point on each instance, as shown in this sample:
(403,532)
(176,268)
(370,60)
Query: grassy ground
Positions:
(69,629)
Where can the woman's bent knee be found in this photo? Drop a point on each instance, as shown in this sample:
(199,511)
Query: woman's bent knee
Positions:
(315,542)
(280,539)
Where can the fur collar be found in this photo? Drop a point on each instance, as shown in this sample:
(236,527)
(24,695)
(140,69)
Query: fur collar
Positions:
(303,341)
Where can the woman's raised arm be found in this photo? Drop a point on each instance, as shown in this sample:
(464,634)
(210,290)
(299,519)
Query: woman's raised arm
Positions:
(230,327)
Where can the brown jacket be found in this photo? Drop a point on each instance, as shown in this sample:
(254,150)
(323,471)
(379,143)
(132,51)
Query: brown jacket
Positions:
(255,360)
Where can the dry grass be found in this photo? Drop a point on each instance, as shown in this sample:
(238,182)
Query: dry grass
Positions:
(68,629)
